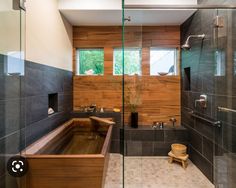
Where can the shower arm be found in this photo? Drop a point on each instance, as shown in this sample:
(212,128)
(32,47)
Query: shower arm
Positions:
(195,36)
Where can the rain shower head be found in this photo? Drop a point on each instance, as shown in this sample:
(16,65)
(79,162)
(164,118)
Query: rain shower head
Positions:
(186,45)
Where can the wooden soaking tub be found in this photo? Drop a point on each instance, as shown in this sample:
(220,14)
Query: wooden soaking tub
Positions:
(75,155)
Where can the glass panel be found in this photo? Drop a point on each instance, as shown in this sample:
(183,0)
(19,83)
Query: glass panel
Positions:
(225,103)
(220,63)
(132,57)
(207,69)
(163,61)
(133,84)
(11,75)
(90,61)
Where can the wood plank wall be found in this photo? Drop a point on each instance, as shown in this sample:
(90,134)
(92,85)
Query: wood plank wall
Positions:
(160,95)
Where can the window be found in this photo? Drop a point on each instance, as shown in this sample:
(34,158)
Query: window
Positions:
(220,63)
(132,61)
(15,63)
(235,63)
(163,61)
(90,61)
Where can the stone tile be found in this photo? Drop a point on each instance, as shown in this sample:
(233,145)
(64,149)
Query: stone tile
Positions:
(153,172)
(10,87)
(10,116)
(37,108)
(161,149)
(134,148)
(115,146)
(116,133)
(207,150)
(176,136)
(142,135)
(33,80)
(147,148)
(195,140)
(202,163)
(206,129)
(229,137)
(53,80)
(186,118)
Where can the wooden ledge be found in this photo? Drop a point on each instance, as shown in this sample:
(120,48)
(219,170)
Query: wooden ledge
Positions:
(102,120)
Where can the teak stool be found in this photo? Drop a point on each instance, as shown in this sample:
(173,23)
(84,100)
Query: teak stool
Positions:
(182,159)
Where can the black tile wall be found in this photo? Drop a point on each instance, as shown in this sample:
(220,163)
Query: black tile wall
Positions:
(24,107)
(145,141)
(208,144)
(202,163)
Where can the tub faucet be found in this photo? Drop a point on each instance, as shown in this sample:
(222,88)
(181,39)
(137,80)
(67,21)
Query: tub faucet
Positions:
(161,125)
(155,125)
(173,120)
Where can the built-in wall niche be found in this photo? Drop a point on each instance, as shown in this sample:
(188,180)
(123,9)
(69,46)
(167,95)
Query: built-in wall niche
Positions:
(52,103)
(187,79)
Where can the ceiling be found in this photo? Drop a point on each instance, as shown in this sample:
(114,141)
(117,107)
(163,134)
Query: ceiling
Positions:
(114,17)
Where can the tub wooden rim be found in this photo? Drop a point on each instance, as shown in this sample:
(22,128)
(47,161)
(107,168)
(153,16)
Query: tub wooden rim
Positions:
(31,150)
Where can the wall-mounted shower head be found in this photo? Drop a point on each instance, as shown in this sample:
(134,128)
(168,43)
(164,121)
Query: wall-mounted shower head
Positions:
(186,45)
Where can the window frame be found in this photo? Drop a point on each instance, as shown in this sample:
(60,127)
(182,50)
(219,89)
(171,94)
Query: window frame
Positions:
(127,49)
(177,60)
(77,61)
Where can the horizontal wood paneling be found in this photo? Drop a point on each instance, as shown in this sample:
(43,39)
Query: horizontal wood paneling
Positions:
(160,95)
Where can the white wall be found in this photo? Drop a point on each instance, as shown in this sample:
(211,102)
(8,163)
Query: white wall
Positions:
(9,28)
(116,4)
(161,2)
(48,35)
(90,4)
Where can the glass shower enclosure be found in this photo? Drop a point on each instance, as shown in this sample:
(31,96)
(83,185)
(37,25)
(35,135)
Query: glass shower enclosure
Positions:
(160,86)
(12,52)
(167,83)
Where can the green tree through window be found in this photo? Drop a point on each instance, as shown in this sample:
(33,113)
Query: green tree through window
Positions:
(132,61)
(90,61)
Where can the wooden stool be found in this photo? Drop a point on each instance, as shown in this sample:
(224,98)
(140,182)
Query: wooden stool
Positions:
(182,159)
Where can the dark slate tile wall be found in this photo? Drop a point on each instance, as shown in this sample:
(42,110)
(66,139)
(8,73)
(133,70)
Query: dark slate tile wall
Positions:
(24,107)
(211,148)
(146,141)
(143,141)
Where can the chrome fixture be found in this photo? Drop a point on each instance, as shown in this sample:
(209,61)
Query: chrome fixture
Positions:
(173,120)
(186,45)
(219,22)
(161,125)
(222,109)
(155,125)
(18,4)
(22,4)
(213,123)
(127,19)
(202,101)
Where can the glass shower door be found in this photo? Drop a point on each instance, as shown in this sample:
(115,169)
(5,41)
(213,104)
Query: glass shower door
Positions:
(212,64)
(225,100)
(132,87)
(11,75)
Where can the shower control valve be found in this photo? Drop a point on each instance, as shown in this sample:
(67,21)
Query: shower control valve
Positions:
(202,101)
